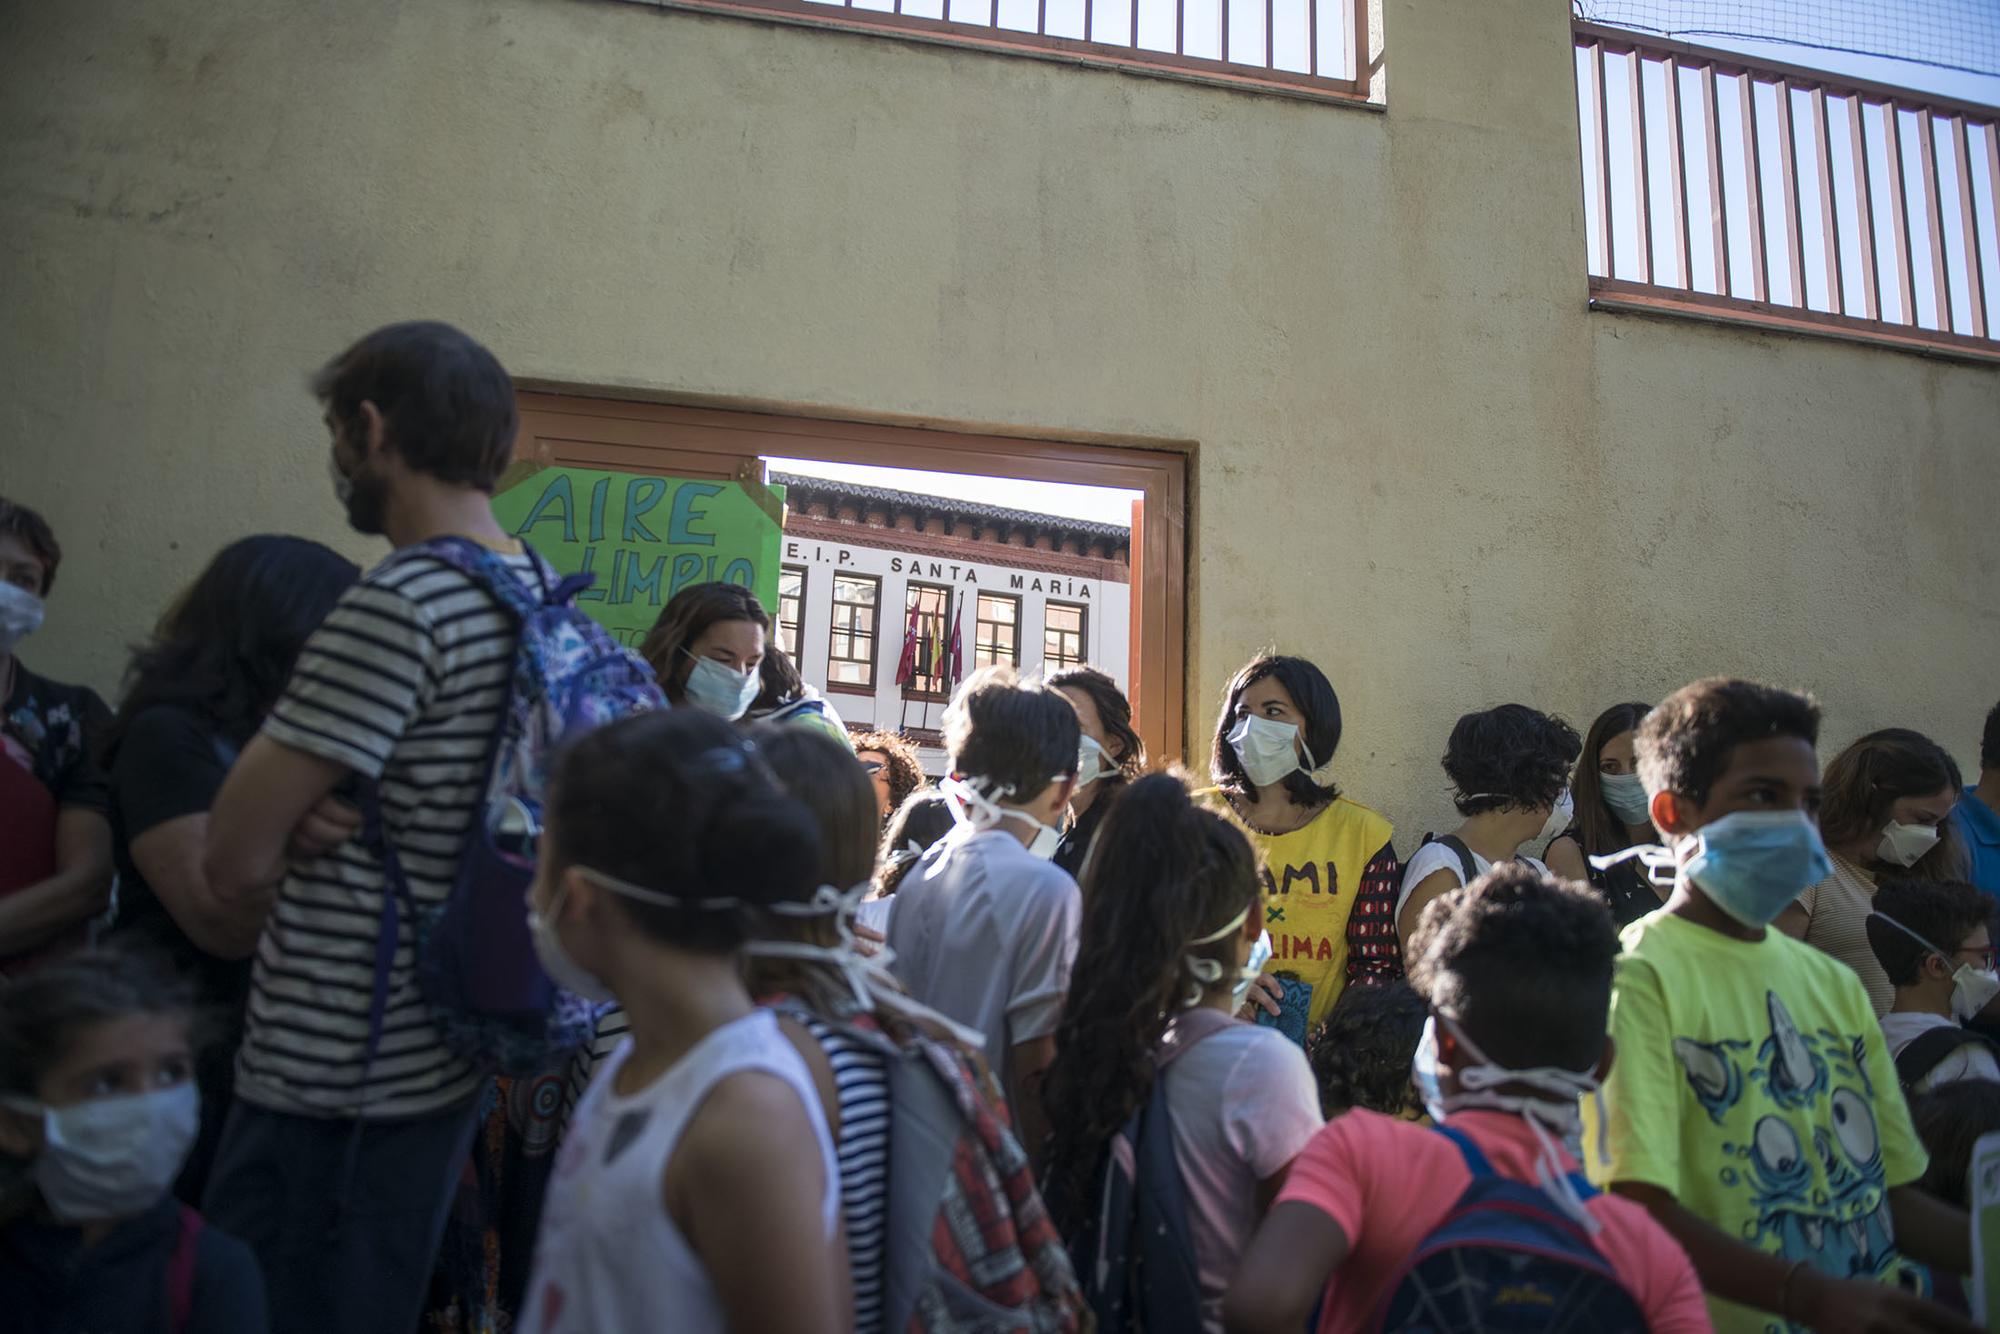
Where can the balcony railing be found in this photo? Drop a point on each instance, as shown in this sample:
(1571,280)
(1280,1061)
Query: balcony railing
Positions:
(1302,48)
(1742,189)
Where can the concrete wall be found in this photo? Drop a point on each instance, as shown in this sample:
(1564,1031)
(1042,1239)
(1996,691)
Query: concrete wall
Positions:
(1417,457)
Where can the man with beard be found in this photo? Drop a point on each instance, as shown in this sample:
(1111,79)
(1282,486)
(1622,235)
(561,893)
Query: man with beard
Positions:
(340,1157)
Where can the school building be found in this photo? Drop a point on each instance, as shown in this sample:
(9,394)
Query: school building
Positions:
(887,599)
(1476,353)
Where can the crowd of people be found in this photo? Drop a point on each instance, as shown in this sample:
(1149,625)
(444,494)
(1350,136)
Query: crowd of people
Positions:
(403,955)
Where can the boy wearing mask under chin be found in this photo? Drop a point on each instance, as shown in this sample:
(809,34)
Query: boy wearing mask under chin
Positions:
(1753,1108)
(98,1110)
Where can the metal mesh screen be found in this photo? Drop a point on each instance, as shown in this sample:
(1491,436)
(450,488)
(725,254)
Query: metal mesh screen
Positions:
(1950,34)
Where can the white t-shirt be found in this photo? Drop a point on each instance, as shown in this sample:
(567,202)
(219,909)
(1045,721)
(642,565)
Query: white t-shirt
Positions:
(1972,1061)
(1244,1104)
(984,932)
(608,1255)
(1439,856)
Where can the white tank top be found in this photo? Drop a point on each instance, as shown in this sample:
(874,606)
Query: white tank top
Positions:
(608,1256)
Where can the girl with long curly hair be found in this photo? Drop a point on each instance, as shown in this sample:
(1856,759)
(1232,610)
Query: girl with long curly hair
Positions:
(1171,909)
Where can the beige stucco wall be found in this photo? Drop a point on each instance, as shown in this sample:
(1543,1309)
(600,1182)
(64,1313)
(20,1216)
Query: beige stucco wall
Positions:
(1417,457)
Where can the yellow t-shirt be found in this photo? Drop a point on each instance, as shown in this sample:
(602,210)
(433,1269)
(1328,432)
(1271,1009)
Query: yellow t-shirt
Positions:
(1752,1081)
(1311,876)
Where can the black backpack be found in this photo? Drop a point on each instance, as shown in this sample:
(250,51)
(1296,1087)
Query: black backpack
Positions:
(1467,867)
(1928,1049)
(1136,1257)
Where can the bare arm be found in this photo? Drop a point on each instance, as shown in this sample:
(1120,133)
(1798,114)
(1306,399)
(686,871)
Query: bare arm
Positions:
(170,856)
(1027,1063)
(1565,858)
(1794,1291)
(79,890)
(1430,887)
(1284,1270)
(747,1187)
(270,792)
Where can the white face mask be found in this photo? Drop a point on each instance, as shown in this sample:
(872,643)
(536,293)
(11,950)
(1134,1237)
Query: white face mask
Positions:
(1559,819)
(20,615)
(111,1158)
(564,971)
(1626,796)
(1906,844)
(1972,989)
(971,806)
(1268,750)
(1091,762)
(1478,1086)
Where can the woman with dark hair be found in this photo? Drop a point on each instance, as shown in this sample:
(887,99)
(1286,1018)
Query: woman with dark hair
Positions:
(1611,806)
(195,694)
(707,648)
(1509,769)
(1885,811)
(785,697)
(1171,912)
(1111,756)
(891,762)
(1331,872)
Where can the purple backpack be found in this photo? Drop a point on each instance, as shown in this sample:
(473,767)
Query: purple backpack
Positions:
(475,959)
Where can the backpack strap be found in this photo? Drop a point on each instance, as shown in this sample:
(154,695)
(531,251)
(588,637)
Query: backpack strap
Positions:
(1928,1050)
(1188,1029)
(1477,1163)
(1468,867)
(490,570)
(180,1271)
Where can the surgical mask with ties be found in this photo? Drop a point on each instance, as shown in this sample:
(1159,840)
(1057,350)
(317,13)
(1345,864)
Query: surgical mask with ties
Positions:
(1478,1086)
(1268,749)
(974,807)
(111,1158)
(1907,844)
(1972,989)
(1750,864)
(20,615)
(1206,972)
(722,691)
(1091,762)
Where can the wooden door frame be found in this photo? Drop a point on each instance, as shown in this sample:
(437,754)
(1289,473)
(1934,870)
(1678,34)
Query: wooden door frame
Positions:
(1158,689)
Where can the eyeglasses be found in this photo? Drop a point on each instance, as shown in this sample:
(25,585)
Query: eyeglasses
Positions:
(1985,954)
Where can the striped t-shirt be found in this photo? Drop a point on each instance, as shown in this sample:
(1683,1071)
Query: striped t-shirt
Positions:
(405,683)
(861,1085)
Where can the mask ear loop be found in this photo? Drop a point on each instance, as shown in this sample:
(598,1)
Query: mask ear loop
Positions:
(1655,858)
(1207,972)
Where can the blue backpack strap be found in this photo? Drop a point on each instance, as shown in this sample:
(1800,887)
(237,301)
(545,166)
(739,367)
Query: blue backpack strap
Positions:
(1476,1161)
(490,569)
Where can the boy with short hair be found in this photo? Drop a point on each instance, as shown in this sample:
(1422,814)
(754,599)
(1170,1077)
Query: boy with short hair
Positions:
(341,1155)
(1754,1109)
(1933,939)
(1516,968)
(984,930)
(55,858)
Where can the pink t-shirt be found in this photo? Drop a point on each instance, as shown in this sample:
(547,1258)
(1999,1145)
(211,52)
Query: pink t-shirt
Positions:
(1389,1183)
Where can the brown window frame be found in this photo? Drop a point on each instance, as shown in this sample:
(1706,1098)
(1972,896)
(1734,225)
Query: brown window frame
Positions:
(798,621)
(873,660)
(1082,611)
(979,624)
(568,423)
(942,690)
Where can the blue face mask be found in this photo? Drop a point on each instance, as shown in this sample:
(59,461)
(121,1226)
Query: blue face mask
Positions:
(1626,796)
(1752,864)
(714,688)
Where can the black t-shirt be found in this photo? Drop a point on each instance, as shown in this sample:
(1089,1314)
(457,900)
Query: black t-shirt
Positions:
(1074,849)
(54,730)
(169,764)
(1626,889)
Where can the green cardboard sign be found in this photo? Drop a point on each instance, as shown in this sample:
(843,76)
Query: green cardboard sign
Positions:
(646,537)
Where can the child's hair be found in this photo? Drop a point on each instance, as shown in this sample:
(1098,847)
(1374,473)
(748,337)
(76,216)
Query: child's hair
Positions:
(687,614)
(1949,1120)
(1943,912)
(1317,705)
(1684,744)
(1864,781)
(1522,962)
(1012,736)
(1113,710)
(906,775)
(923,819)
(1509,756)
(679,803)
(41,1012)
(1166,874)
(1602,831)
(1361,1055)
(33,531)
(779,682)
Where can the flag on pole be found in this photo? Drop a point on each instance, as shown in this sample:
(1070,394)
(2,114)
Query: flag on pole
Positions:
(906,667)
(958,643)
